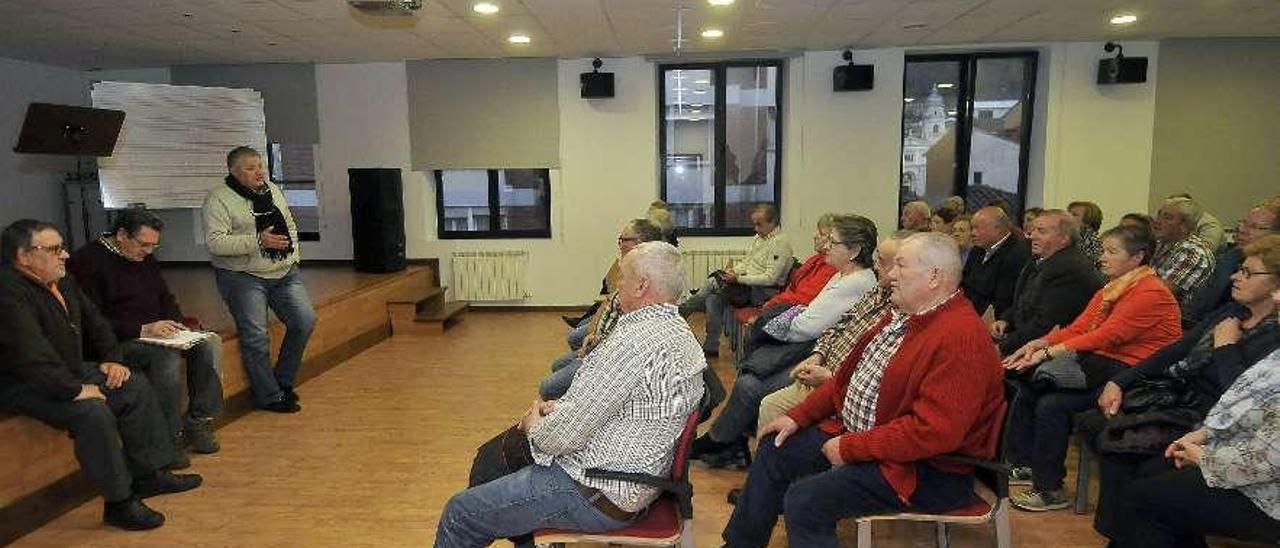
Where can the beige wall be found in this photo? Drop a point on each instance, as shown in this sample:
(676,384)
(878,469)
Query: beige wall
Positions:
(1217,128)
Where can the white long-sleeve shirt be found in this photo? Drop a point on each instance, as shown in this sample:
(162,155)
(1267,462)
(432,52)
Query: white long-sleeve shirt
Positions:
(767,260)
(839,295)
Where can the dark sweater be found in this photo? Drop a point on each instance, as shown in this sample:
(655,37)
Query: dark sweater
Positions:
(44,346)
(992,283)
(1226,363)
(129,293)
(1049,293)
(1217,290)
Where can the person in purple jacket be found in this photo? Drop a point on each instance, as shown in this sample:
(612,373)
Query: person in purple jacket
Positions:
(120,274)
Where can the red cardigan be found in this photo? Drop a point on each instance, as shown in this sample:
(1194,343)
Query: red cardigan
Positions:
(806,282)
(942,392)
(1142,321)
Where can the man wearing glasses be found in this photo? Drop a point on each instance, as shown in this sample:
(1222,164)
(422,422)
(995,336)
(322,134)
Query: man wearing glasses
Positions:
(60,364)
(120,274)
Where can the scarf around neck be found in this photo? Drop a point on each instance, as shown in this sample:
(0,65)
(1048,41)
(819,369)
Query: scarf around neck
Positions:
(265,214)
(1115,289)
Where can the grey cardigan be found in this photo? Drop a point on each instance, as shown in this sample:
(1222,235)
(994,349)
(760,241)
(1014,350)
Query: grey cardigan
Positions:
(232,236)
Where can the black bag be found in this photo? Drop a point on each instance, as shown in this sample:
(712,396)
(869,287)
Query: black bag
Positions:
(1158,393)
(505,454)
(712,394)
(1147,433)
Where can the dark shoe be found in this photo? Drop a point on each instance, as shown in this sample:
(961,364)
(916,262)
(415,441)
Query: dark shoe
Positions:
(572,321)
(199,435)
(733,496)
(181,462)
(732,458)
(711,353)
(289,394)
(163,483)
(131,515)
(704,445)
(282,406)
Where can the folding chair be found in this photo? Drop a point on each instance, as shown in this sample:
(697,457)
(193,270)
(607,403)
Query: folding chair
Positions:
(991,483)
(667,522)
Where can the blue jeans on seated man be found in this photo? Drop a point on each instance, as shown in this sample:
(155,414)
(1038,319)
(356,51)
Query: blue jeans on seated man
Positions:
(796,479)
(557,383)
(248,298)
(579,334)
(710,299)
(163,368)
(535,497)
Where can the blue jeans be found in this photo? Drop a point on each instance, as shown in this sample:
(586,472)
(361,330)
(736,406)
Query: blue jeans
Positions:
(557,383)
(710,299)
(536,497)
(579,334)
(740,413)
(796,479)
(248,298)
(162,365)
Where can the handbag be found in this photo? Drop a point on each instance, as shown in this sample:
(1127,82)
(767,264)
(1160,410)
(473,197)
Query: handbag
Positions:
(504,454)
(1159,393)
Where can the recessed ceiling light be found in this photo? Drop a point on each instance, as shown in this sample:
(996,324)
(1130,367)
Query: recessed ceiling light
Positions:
(720,2)
(712,33)
(519,38)
(946,86)
(485,8)
(1124,19)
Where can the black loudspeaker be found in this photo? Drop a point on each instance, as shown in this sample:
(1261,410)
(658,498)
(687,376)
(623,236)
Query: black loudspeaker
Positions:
(1122,70)
(377,219)
(853,77)
(596,85)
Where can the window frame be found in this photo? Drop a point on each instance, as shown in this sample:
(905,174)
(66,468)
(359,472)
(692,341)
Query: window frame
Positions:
(494,211)
(964,118)
(719,207)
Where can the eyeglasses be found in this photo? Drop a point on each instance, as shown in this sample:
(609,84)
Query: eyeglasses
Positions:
(1246,272)
(622,239)
(54,249)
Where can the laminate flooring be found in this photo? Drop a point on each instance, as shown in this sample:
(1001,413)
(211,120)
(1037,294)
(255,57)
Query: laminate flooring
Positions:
(387,437)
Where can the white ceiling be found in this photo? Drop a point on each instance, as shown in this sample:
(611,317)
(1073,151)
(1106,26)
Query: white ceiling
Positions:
(144,33)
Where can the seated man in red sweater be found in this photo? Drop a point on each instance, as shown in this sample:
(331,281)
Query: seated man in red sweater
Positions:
(922,382)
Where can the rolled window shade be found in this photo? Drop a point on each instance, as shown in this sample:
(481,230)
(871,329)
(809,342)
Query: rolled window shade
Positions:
(484,114)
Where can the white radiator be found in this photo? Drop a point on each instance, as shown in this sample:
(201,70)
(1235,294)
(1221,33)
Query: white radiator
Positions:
(490,275)
(698,263)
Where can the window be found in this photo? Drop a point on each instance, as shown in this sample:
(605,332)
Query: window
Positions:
(719,139)
(493,203)
(950,150)
(293,167)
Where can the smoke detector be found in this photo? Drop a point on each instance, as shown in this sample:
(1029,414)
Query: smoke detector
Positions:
(386,7)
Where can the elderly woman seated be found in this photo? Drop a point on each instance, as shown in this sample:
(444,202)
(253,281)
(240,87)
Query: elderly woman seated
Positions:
(1192,375)
(1224,478)
(784,335)
(1060,374)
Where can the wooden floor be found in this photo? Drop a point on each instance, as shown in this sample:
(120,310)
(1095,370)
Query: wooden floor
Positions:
(388,436)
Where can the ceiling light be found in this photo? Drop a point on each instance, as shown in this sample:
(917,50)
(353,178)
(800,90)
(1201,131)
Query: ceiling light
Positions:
(712,33)
(519,39)
(1124,19)
(946,86)
(720,2)
(485,8)
(703,81)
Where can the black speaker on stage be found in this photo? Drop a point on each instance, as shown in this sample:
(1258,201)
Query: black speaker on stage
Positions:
(377,219)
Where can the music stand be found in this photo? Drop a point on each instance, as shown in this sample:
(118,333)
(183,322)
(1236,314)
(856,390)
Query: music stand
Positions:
(71,131)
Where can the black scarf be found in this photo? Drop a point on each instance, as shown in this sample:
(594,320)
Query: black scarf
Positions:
(265,214)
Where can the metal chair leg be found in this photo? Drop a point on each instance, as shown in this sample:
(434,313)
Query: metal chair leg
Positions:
(943,538)
(1004,535)
(864,534)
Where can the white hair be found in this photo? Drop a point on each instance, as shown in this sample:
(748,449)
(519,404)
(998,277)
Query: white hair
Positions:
(938,251)
(661,264)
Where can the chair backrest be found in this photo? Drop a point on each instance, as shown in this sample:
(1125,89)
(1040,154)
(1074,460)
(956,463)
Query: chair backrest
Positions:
(680,462)
(998,482)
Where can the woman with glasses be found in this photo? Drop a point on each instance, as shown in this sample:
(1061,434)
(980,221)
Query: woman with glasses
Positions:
(1208,359)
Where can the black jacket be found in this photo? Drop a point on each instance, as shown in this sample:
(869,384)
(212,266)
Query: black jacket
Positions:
(43,345)
(991,283)
(1052,292)
(1228,361)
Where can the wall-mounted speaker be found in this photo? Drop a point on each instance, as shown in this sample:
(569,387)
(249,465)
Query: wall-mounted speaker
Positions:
(1122,70)
(852,77)
(596,84)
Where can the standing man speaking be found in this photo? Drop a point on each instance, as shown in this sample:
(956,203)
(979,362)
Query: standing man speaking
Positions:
(253,243)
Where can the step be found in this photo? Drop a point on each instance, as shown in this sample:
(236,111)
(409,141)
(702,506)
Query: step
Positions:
(445,316)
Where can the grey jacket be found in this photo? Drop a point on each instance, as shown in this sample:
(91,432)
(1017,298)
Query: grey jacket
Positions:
(232,236)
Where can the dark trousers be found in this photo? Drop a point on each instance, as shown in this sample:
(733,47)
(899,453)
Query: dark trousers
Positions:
(796,479)
(1115,472)
(1040,428)
(130,415)
(1177,509)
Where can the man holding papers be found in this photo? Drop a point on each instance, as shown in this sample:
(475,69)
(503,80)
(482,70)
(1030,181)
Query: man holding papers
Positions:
(119,274)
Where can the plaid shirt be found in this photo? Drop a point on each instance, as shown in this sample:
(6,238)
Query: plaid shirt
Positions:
(1090,246)
(838,340)
(859,410)
(626,405)
(1184,265)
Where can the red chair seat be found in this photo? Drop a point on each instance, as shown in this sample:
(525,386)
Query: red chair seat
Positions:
(744,315)
(661,521)
(975,510)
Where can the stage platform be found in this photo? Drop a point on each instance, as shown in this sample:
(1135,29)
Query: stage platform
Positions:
(39,476)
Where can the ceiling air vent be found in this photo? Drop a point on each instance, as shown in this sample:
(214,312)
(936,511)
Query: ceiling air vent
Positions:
(387,7)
